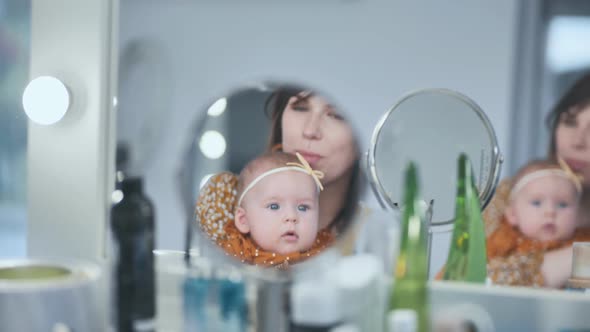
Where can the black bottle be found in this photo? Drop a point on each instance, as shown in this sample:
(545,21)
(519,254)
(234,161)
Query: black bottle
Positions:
(132,224)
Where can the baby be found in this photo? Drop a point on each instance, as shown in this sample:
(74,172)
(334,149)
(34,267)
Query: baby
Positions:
(267,216)
(541,212)
(274,213)
(278,203)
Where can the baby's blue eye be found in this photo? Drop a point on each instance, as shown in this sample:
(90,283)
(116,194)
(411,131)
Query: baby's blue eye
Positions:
(273,206)
(536,202)
(303,207)
(562,205)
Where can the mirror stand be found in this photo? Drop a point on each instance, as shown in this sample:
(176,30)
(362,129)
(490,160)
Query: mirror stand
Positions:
(428,223)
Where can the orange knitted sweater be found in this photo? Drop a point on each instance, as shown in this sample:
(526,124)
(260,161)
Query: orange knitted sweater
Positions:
(507,240)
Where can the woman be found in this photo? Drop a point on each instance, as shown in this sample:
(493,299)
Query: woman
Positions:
(305,122)
(570,140)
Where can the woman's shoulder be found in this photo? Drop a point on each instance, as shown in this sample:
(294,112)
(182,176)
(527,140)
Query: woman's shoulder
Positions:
(493,213)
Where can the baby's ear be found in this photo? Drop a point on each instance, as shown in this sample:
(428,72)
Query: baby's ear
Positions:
(241,221)
(510,216)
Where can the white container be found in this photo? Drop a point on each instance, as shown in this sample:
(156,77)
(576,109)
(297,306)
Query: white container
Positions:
(51,295)
(171,272)
(580,277)
(359,281)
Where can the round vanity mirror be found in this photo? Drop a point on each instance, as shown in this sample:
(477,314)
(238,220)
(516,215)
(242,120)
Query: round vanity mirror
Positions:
(274,171)
(432,127)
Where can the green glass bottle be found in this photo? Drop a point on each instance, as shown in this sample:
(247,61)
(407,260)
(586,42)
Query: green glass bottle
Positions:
(410,289)
(467,254)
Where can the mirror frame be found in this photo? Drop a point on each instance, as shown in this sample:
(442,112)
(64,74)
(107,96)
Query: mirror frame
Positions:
(497,159)
(198,248)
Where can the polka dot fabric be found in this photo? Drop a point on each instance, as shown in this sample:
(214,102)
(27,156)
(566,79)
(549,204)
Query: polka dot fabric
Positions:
(215,205)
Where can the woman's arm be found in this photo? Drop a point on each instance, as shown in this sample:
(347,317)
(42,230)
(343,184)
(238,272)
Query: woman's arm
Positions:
(517,269)
(551,269)
(557,267)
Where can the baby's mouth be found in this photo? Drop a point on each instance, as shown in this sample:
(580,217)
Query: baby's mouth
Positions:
(290,236)
(550,228)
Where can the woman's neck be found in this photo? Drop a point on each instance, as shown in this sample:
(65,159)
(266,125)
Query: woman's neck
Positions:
(332,199)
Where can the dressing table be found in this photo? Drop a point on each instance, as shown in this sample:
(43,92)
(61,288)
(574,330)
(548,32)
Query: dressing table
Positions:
(73,160)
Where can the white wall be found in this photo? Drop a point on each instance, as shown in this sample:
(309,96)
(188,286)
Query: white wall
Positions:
(366,54)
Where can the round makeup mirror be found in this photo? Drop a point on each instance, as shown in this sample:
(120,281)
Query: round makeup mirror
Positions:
(295,200)
(432,127)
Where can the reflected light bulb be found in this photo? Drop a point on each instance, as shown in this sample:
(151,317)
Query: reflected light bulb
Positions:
(116,196)
(218,107)
(212,144)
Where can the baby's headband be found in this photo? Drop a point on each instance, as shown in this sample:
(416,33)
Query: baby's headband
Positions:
(565,171)
(302,166)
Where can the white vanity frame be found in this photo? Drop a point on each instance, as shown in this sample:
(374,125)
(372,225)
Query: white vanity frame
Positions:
(71,163)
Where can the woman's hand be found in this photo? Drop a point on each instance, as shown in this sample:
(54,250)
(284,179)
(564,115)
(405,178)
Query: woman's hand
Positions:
(557,267)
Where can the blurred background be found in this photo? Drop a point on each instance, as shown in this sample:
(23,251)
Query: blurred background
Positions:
(513,58)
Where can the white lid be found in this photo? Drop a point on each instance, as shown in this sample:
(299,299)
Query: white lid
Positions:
(358,272)
(345,328)
(315,303)
(316,267)
(403,320)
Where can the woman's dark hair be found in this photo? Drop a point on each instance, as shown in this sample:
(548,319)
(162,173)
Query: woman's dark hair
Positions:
(575,98)
(274,109)
(351,203)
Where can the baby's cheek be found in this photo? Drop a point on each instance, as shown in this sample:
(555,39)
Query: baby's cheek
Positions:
(571,225)
(528,229)
(316,225)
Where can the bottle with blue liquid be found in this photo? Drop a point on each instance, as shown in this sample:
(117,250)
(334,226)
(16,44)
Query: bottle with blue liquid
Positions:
(215,302)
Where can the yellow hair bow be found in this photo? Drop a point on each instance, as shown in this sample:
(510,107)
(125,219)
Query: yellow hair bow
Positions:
(315,174)
(576,178)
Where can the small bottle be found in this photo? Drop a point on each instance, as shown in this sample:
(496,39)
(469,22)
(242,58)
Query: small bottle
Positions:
(467,252)
(132,224)
(410,286)
(196,291)
(402,320)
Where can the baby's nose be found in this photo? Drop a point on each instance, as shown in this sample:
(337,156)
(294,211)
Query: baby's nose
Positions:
(550,210)
(291,216)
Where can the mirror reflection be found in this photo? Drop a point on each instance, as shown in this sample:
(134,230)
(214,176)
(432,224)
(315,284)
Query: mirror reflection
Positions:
(431,128)
(495,85)
(293,192)
(558,185)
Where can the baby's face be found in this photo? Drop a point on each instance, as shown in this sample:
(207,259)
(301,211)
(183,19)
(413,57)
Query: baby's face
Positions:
(282,212)
(545,209)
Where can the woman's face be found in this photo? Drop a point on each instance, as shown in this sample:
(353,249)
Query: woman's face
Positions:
(312,127)
(572,138)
